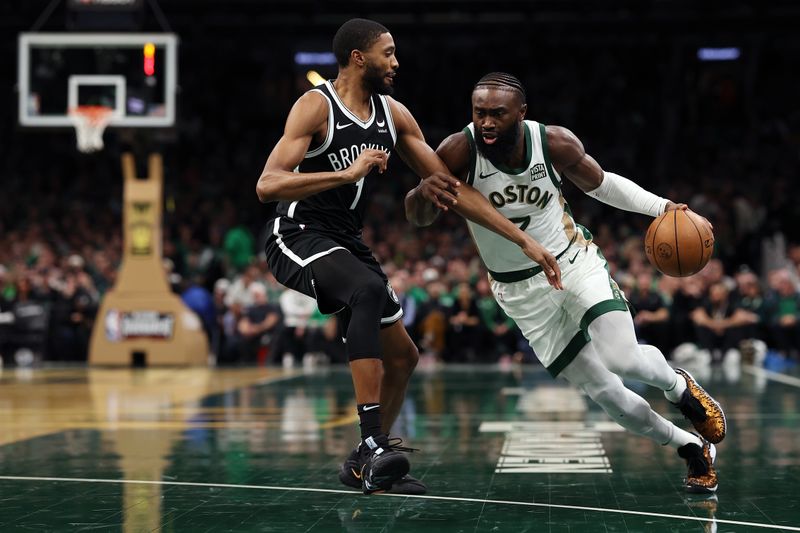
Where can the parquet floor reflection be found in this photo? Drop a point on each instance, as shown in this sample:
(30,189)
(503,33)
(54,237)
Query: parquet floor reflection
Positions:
(257,449)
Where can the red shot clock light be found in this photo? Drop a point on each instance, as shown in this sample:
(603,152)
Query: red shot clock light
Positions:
(149,59)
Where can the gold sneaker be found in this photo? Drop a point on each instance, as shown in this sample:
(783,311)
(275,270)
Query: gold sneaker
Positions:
(702,410)
(702,476)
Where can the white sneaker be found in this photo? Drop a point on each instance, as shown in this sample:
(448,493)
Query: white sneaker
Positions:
(288,360)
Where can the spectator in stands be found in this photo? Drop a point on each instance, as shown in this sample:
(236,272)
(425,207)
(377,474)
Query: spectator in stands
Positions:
(239,247)
(499,334)
(258,326)
(652,316)
(198,299)
(218,331)
(783,312)
(463,322)
(720,324)
(433,319)
(291,344)
(754,312)
(239,291)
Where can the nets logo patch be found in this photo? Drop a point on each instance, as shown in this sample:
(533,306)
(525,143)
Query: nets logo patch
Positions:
(392,294)
(538,172)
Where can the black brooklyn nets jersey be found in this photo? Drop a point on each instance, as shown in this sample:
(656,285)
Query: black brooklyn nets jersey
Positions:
(341,209)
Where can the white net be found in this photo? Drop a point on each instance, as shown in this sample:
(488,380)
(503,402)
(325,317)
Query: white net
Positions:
(90,122)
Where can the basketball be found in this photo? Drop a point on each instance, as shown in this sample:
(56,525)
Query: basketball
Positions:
(679,243)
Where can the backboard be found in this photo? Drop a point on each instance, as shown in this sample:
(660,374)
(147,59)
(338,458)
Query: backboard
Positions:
(133,73)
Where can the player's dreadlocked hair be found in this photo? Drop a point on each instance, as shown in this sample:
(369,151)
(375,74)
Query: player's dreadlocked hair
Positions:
(501,79)
(355,34)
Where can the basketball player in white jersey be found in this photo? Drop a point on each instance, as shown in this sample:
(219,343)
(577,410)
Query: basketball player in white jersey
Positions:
(335,146)
(584,332)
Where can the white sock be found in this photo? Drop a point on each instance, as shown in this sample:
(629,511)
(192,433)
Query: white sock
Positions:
(674,393)
(681,438)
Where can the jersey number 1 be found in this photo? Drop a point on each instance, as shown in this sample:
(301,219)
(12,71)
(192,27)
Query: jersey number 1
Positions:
(359,188)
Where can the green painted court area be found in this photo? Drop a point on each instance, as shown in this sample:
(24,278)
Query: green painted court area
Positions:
(259,449)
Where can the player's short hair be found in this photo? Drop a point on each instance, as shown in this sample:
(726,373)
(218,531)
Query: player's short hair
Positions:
(502,79)
(355,34)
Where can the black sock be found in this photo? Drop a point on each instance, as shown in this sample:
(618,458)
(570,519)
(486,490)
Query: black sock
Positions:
(370,416)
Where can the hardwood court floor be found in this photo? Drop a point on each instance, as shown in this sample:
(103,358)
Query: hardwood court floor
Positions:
(258,450)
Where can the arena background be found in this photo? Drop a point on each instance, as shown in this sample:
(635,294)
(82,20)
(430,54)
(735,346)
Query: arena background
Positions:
(696,101)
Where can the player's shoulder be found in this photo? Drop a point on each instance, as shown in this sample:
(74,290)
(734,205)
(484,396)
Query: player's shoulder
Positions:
(454,150)
(459,141)
(560,134)
(562,142)
(309,112)
(313,101)
(399,111)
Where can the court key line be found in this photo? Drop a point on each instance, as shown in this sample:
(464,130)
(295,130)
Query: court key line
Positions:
(774,376)
(418,496)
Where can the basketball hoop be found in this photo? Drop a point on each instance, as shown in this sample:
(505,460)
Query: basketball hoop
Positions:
(90,122)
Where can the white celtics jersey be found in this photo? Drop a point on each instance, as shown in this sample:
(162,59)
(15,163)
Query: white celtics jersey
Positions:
(529,196)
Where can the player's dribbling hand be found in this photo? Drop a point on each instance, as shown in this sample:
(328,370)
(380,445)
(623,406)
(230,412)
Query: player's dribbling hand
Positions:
(546,260)
(440,189)
(366,161)
(672,206)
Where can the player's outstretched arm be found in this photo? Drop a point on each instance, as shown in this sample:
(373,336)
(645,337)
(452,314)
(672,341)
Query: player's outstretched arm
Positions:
(278,181)
(571,160)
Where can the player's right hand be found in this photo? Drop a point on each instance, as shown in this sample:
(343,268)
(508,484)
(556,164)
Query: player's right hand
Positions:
(546,260)
(366,161)
(440,189)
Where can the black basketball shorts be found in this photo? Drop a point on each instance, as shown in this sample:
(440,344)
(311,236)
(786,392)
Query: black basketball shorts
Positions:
(291,249)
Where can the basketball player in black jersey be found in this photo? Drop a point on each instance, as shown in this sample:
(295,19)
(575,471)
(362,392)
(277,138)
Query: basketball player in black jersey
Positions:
(336,144)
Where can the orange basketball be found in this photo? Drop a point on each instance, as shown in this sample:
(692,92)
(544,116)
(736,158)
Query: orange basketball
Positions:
(679,243)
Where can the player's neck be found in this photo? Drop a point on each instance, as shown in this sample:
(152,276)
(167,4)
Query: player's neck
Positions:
(353,94)
(515,158)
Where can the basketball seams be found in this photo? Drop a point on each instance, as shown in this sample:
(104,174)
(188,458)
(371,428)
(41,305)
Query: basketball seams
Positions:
(700,236)
(677,249)
(655,233)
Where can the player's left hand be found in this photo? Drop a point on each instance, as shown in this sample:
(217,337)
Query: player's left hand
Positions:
(672,206)
(440,189)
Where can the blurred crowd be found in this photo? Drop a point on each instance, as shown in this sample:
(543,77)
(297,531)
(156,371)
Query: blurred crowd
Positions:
(722,137)
(50,289)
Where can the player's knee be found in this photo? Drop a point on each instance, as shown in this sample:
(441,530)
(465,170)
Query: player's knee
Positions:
(402,361)
(371,291)
(606,397)
(623,363)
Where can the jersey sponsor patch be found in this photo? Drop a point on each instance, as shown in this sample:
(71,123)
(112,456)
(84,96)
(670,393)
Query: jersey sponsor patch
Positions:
(538,172)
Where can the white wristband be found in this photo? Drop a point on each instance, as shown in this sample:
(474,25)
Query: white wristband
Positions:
(622,193)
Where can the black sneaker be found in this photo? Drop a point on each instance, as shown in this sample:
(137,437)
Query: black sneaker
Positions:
(702,476)
(703,411)
(350,473)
